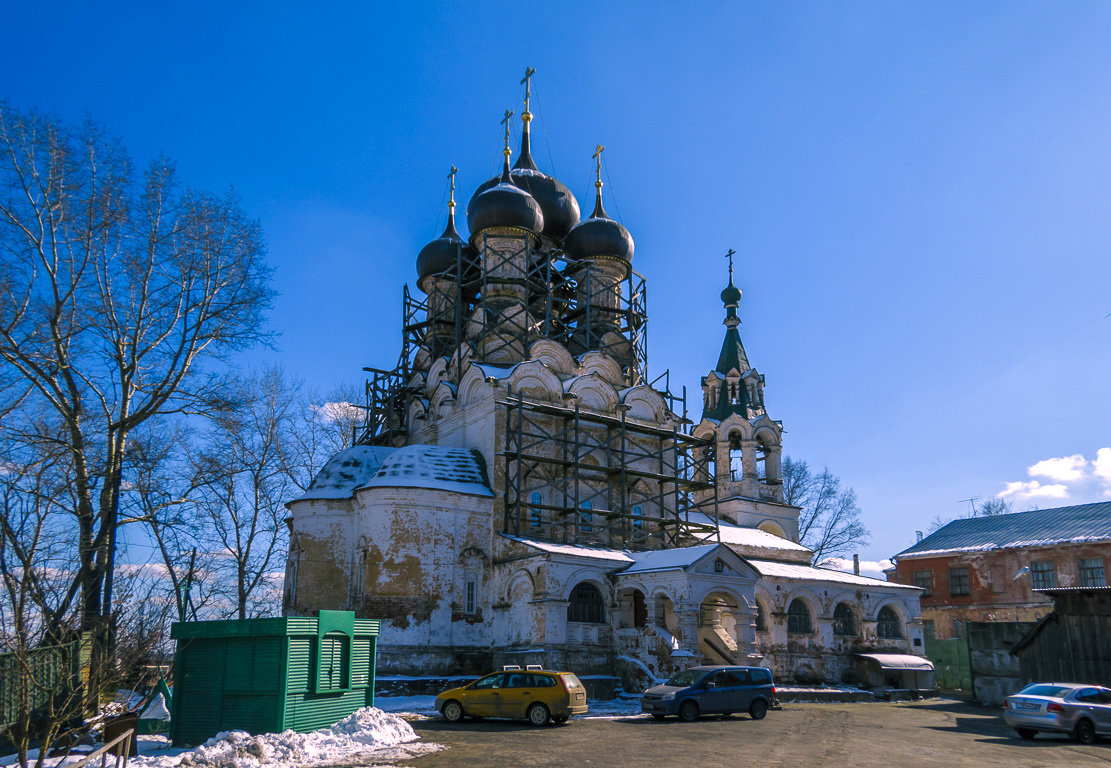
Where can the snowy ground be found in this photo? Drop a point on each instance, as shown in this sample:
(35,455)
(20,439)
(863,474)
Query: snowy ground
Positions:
(368,737)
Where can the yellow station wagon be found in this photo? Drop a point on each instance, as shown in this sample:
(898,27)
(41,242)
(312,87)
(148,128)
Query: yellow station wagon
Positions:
(534,694)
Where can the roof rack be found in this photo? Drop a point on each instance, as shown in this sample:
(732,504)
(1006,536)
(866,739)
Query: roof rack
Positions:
(533,666)
(510,667)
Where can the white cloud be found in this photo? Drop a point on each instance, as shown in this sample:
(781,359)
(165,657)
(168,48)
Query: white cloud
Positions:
(1067,469)
(1102,464)
(1035,490)
(337,411)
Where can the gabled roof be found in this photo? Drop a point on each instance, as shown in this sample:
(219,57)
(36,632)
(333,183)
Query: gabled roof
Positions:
(1019,530)
(777,569)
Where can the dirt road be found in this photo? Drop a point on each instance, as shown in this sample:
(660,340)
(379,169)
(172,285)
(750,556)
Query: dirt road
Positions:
(943,733)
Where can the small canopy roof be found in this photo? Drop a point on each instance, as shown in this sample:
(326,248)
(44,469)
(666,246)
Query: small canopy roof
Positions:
(900,661)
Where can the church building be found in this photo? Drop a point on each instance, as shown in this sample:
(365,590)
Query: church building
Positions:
(521,490)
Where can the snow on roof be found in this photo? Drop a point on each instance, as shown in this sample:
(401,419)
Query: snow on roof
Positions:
(751,537)
(1037,528)
(574,550)
(900,661)
(668,559)
(814,573)
(433,466)
(347,470)
(495,371)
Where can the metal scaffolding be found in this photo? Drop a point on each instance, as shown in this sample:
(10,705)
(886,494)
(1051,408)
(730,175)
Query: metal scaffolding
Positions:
(584,478)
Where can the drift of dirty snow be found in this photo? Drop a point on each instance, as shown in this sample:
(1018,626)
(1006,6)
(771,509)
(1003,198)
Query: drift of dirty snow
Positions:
(365,735)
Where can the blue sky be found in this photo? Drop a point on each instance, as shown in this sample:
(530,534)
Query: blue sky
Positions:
(919,194)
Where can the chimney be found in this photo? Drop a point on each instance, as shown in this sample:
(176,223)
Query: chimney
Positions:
(856,564)
(918,534)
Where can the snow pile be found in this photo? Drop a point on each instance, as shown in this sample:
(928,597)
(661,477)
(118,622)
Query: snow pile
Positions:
(367,730)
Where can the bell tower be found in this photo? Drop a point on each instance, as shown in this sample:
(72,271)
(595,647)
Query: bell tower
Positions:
(748,444)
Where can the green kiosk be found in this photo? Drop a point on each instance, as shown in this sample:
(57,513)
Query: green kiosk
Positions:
(270,675)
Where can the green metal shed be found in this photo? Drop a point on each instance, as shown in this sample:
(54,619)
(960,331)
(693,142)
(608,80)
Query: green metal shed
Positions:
(270,675)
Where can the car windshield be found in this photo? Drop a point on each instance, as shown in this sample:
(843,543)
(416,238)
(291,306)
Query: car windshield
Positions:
(1041,689)
(686,678)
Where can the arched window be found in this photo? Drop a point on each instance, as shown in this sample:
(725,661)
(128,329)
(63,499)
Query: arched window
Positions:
(761,618)
(586,519)
(761,459)
(638,517)
(586,604)
(888,624)
(534,518)
(844,623)
(798,618)
(736,457)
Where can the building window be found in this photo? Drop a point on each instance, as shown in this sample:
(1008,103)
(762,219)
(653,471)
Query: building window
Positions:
(925,581)
(798,618)
(928,631)
(888,624)
(534,510)
(958,581)
(1091,572)
(586,604)
(1043,575)
(638,517)
(586,519)
(736,458)
(844,623)
(471,596)
(960,629)
(761,618)
(719,566)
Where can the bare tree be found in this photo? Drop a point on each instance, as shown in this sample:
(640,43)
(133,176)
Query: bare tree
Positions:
(115,289)
(829,522)
(994,505)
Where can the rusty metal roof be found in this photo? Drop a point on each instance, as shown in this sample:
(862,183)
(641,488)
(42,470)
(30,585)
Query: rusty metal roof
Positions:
(1079,524)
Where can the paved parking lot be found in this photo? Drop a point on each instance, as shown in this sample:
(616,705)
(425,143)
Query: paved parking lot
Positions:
(928,733)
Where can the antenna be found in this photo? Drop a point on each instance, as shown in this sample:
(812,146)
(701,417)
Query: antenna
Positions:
(971,505)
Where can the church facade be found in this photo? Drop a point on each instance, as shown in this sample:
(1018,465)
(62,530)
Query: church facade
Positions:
(522,492)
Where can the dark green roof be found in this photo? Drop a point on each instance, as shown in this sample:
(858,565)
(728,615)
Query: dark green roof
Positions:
(1038,528)
(732,354)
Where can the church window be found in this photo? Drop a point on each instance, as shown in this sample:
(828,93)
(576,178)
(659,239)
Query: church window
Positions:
(719,566)
(888,624)
(638,517)
(761,618)
(798,618)
(471,596)
(586,604)
(586,519)
(761,460)
(534,517)
(844,623)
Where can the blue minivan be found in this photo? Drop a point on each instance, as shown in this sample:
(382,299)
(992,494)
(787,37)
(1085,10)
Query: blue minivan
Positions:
(712,690)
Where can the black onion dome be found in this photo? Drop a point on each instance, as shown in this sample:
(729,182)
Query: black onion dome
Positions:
(599,236)
(731,294)
(439,255)
(504,205)
(559,206)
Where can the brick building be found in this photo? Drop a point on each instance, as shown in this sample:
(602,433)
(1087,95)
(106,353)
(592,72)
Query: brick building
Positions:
(994,568)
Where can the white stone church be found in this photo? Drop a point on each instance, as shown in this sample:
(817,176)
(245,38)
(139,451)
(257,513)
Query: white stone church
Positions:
(523,492)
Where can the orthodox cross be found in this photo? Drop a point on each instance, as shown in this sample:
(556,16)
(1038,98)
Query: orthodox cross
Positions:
(730,257)
(598,163)
(505,122)
(527,82)
(451,202)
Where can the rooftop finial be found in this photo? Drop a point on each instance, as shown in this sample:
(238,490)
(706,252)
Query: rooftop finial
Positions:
(599,212)
(729,256)
(507,151)
(527,82)
(450,231)
(451,200)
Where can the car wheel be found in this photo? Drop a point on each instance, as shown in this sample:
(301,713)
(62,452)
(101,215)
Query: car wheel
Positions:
(688,711)
(658,716)
(538,714)
(1026,733)
(452,711)
(758,709)
(1085,732)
